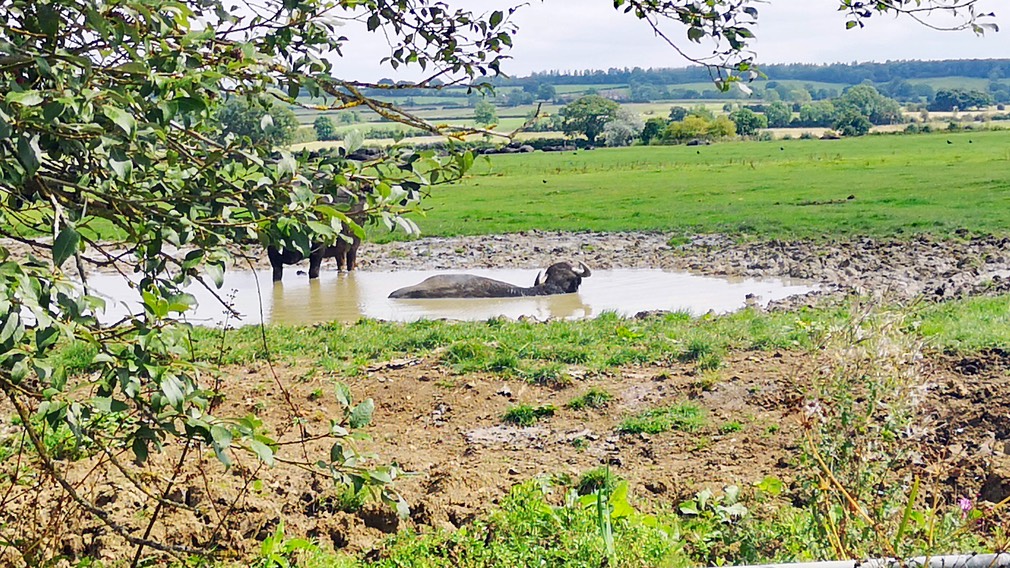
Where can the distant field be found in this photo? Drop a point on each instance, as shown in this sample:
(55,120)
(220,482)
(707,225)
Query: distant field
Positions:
(899,185)
(975,83)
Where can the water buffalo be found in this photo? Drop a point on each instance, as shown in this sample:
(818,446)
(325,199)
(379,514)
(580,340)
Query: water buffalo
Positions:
(345,252)
(561,278)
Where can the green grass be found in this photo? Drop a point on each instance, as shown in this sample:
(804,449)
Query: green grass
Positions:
(542,351)
(685,417)
(901,185)
(593,398)
(525,415)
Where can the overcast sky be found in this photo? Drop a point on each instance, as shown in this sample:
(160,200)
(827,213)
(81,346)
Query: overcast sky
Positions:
(567,35)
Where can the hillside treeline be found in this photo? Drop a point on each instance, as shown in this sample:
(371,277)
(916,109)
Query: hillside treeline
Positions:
(849,73)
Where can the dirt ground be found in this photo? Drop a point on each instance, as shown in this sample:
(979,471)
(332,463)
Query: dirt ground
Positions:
(446,430)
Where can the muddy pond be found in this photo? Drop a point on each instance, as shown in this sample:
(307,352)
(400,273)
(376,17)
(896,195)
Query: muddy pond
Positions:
(351,296)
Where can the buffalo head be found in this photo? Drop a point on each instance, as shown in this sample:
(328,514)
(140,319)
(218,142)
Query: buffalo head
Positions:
(561,278)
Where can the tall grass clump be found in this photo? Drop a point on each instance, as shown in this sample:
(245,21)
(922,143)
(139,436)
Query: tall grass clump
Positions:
(866,481)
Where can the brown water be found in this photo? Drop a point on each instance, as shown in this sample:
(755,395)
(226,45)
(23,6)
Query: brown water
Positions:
(351,296)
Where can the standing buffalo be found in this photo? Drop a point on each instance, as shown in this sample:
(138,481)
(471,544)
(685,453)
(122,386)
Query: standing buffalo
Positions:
(561,278)
(345,252)
(345,249)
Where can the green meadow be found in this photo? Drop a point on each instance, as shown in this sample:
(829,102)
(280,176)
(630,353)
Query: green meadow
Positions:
(886,185)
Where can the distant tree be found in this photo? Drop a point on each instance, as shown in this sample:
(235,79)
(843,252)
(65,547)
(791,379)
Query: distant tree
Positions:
(698,127)
(653,129)
(681,131)
(241,117)
(349,117)
(820,113)
(485,113)
(778,114)
(747,121)
(702,111)
(867,101)
(851,122)
(324,128)
(624,129)
(587,116)
(518,97)
(721,127)
(546,92)
(962,99)
(678,113)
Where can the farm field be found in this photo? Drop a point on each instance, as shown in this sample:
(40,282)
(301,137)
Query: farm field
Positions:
(707,427)
(875,185)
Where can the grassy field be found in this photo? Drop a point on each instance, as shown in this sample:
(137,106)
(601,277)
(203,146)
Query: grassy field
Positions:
(876,185)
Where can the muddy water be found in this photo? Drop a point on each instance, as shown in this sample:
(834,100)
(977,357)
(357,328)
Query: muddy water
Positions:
(349,297)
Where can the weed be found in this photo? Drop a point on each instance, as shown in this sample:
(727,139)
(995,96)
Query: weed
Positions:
(593,398)
(730,427)
(862,427)
(678,241)
(526,415)
(277,551)
(580,444)
(686,417)
(596,479)
(553,375)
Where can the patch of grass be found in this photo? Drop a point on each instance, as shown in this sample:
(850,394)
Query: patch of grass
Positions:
(686,417)
(593,398)
(705,352)
(553,375)
(596,479)
(730,427)
(526,415)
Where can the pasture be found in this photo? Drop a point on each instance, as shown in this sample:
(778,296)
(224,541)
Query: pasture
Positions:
(873,185)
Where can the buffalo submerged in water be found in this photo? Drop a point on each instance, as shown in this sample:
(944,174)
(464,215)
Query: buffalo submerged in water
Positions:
(560,278)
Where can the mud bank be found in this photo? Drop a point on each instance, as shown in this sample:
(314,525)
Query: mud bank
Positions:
(922,266)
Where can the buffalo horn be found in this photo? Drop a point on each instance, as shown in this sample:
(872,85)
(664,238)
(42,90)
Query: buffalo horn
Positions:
(537,281)
(585,271)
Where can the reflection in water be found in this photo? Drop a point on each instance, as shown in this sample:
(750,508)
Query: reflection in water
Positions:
(350,296)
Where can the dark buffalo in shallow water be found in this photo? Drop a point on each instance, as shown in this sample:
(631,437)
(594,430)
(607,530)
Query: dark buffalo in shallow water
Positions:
(561,278)
(345,252)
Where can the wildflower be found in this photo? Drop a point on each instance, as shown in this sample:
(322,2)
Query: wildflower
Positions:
(965,505)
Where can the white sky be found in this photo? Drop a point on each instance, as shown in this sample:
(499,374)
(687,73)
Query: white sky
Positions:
(569,35)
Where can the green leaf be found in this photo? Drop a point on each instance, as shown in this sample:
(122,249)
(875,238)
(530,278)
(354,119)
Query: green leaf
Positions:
(49,20)
(121,118)
(181,302)
(695,34)
(122,168)
(172,388)
(362,414)
(221,435)
(12,324)
(140,450)
(24,98)
(65,245)
(216,272)
(496,18)
(343,394)
(262,451)
(29,154)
